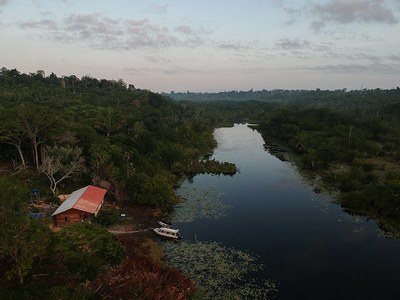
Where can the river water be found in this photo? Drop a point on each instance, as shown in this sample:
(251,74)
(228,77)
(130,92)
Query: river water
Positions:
(310,248)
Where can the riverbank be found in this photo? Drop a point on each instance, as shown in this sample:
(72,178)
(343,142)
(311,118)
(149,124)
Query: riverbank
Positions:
(143,274)
(304,241)
(311,178)
(364,186)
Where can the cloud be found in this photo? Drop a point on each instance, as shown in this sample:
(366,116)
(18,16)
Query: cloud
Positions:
(302,49)
(376,68)
(292,44)
(350,11)
(144,33)
(189,30)
(155,59)
(326,12)
(92,25)
(184,29)
(395,58)
(46,24)
(396,2)
(232,46)
(2,3)
(166,71)
(101,32)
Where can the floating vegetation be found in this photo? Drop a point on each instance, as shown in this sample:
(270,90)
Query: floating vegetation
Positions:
(211,166)
(199,203)
(219,272)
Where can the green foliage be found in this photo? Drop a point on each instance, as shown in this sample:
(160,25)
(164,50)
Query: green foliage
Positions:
(22,240)
(362,102)
(87,249)
(108,217)
(380,200)
(34,290)
(156,190)
(326,137)
(77,291)
(109,121)
(347,150)
(126,134)
(211,166)
(28,247)
(141,143)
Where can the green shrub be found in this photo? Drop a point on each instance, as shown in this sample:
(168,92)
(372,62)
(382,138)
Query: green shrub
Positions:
(108,217)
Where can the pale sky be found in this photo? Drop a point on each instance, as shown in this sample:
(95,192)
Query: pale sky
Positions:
(218,45)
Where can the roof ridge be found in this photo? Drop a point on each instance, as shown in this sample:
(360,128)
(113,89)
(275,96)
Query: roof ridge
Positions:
(78,200)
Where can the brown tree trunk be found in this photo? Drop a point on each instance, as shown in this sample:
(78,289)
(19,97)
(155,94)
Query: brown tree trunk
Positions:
(35,153)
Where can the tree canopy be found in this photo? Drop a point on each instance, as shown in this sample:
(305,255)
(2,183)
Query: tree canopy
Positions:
(100,130)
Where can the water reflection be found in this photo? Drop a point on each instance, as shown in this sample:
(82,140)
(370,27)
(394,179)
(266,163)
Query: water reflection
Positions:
(306,243)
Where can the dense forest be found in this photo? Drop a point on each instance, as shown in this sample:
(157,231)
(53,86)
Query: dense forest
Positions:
(61,133)
(347,141)
(96,130)
(58,134)
(277,95)
(337,98)
(353,152)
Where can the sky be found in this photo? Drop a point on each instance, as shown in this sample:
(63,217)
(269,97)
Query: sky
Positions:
(207,46)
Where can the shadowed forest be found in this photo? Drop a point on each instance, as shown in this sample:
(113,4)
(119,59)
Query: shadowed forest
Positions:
(60,133)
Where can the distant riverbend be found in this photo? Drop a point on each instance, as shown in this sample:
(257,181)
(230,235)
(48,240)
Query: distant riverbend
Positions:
(272,235)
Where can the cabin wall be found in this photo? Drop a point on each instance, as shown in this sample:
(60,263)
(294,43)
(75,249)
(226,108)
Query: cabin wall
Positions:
(71,216)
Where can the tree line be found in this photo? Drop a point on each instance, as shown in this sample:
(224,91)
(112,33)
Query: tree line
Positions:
(354,154)
(58,134)
(349,139)
(99,130)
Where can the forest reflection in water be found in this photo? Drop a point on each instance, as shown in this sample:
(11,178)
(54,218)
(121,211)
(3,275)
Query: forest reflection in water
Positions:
(297,242)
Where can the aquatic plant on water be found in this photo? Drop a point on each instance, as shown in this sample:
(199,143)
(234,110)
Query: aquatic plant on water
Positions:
(204,203)
(219,272)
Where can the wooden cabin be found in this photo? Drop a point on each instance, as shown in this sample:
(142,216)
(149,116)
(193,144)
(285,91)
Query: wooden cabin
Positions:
(82,205)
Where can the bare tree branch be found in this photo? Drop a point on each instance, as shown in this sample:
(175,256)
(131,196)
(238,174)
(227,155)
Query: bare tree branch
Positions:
(60,163)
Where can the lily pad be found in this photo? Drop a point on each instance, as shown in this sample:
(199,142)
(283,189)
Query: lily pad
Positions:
(207,203)
(219,272)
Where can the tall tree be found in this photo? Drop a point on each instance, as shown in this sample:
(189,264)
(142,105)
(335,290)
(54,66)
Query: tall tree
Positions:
(60,163)
(11,132)
(109,121)
(36,122)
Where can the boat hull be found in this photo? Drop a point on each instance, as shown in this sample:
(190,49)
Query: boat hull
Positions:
(165,225)
(167,233)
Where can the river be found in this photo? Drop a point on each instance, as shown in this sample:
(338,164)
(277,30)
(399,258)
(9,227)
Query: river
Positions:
(309,247)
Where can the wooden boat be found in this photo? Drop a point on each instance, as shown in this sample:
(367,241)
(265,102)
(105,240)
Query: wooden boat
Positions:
(168,232)
(163,224)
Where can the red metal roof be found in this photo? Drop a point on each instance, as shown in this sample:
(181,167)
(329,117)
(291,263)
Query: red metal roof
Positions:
(87,199)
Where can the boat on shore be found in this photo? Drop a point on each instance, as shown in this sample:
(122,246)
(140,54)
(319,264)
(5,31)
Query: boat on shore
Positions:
(168,232)
(164,224)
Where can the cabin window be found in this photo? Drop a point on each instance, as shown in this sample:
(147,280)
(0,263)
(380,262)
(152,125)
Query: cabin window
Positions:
(65,219)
